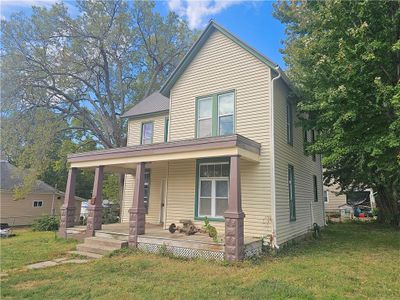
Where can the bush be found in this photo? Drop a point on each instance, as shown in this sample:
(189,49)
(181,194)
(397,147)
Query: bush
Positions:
(46,223)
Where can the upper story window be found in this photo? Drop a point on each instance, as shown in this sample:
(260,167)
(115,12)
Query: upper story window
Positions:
(166,128)
(289,122)
(215,115)
(147,133)
(312,141)
(205,116)
(226,111)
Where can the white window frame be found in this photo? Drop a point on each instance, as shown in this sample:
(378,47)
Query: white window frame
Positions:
(213,191)
(143,139)
(37,201)
(205,118)
(226,115)
(289,123)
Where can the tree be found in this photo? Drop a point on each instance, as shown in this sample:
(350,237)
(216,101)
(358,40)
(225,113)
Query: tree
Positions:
(343,58)
(89,69)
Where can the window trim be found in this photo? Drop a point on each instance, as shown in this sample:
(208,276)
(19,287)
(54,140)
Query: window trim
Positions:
(289,122)
(214,160)
(38,201)
(292,186)
(327,196)
(141,132)
(166,129)
(214,113)
(315,188)
(314,156)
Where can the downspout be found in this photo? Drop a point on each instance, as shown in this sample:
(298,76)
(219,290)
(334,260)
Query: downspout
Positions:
(274,243)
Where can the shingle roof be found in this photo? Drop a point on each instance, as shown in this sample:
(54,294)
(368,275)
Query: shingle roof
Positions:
(155,103)
(11,177)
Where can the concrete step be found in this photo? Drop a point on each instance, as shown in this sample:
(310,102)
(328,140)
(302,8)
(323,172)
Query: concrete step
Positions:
(98,241)
(111,235)
(86,254)
(95,249)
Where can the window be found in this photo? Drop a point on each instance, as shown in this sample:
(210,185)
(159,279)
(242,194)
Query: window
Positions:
(166,128)
(312,141)
(37,203)
(146,189)
(315,187)
(215,115)
(305,140)
(292,200)
(326,199)
(213,184)
(205,117)
(226,103)
(289,122)
(147,133)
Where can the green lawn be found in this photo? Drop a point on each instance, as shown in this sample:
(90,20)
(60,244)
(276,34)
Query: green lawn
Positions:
(349,261)
(29,247)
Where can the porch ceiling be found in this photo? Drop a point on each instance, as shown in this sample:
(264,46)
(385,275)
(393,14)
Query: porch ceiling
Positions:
(126,158)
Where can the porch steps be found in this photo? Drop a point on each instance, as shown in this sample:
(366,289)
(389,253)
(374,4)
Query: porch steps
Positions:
(102,246)
(112,235)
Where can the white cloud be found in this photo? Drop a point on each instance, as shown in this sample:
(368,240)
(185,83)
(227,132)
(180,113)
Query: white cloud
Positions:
(28,3)
(198,12)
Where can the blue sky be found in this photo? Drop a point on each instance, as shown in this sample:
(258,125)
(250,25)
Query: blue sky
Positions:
(251,21)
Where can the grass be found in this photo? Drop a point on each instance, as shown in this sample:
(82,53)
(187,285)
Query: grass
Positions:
(358,261)
(28,247)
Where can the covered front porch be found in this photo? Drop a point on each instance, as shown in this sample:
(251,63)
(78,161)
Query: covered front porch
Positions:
(158,240)
(134,161)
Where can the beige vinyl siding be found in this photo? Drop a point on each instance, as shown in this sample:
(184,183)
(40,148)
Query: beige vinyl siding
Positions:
(157,173)
(135,128)
(334,200)
(222,65)
(22,212)
(307,211)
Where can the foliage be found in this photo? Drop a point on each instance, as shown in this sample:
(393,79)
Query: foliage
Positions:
(348,262)
(70,78)
(46,223)
(110,215)
(343,58)
(110,188)
(211,230)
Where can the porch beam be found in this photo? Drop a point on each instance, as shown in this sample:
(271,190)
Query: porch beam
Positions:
(68,208)
(94,219)
(234,215)
(137,211)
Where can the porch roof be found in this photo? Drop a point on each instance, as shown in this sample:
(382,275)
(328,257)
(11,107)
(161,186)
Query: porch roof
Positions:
(128,157)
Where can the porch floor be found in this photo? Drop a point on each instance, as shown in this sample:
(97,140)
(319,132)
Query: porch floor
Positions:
(155,237)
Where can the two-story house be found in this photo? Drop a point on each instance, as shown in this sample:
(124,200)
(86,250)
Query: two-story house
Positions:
(219,140)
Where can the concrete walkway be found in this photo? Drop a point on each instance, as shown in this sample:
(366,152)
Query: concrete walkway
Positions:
(56,262)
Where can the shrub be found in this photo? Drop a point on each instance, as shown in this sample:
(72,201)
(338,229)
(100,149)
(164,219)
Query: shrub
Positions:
(46,223)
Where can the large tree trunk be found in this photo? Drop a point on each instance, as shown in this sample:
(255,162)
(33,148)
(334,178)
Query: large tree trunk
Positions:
(388,205)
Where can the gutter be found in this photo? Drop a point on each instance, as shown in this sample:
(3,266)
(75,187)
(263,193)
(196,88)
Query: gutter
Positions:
(274,243)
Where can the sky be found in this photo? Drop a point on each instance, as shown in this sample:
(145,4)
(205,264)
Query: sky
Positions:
(251,21)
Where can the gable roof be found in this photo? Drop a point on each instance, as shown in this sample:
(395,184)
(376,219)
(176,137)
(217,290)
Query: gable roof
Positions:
(155,103)
(211,27)
(11,177)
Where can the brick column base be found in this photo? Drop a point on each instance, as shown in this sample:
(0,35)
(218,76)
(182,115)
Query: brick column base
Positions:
(137,218)
(234,237)
(94,220)
(67,220)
